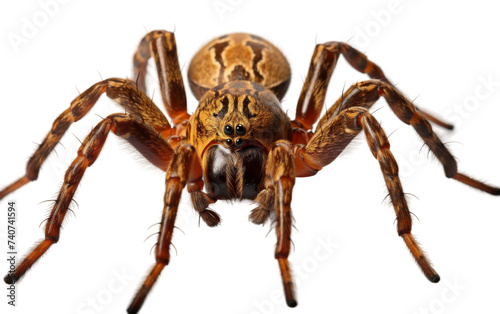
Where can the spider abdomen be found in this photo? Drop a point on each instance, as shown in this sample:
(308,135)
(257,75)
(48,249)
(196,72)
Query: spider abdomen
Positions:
(237,57)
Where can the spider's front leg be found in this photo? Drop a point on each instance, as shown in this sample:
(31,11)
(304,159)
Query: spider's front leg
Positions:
(277,196)
(184,168)
(142,136)
(329,141)
(124,93)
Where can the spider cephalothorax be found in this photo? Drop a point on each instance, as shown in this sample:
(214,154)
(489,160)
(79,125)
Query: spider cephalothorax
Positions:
(239,143)
(233,130)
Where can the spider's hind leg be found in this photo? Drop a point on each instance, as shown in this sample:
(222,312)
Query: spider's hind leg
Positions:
(407,113)
(323,62)
(161,46)
(365,94)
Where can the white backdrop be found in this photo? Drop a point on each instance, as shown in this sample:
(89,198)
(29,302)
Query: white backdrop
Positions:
(348,257)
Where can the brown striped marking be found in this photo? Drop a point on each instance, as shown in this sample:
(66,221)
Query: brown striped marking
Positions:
(236,57)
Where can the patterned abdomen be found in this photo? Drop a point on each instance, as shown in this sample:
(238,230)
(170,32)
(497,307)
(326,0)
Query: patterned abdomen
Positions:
(236,57)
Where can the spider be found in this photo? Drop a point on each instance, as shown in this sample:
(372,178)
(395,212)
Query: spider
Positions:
(239,143)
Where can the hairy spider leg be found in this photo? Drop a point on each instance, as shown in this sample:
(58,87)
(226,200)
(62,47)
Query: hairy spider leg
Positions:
(162,47)
(280,177)
(141,135)
(344,121)
(335,135)
(124,92)
(323,62)
(185,167)
(365,94)
(276,198)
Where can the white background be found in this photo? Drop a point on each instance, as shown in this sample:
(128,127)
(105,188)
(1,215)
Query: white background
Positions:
(438,52)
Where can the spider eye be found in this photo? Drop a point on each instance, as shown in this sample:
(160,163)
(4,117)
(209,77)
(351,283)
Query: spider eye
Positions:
(229,141)
(239,141)
(228,130)
(240,129)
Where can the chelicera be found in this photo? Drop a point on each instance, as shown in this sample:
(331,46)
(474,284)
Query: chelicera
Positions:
(239,143)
